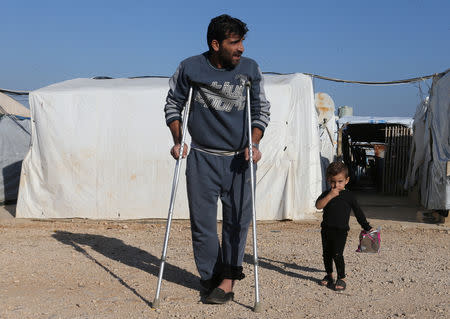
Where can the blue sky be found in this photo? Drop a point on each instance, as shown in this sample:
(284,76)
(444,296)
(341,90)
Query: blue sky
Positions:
(43,42)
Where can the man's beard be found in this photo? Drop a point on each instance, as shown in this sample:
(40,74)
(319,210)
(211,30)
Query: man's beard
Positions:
(227,62)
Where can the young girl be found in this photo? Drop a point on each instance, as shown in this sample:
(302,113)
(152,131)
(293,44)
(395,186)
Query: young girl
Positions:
(337,203)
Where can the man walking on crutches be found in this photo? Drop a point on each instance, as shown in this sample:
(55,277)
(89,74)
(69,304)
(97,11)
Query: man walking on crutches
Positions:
(217,165)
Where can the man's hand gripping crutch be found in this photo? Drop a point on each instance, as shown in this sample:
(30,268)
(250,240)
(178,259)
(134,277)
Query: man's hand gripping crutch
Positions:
(178,151)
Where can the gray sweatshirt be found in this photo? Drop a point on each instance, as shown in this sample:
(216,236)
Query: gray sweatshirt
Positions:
(217,117)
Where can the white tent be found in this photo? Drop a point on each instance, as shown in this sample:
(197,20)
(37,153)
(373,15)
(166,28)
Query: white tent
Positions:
(430,155)
(15,137)
(14,144)
(100,150)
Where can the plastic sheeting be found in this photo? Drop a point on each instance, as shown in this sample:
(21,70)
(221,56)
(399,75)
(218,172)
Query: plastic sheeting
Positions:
(15,137)
(419,147)
(430,153)
(100,150)
(10,106)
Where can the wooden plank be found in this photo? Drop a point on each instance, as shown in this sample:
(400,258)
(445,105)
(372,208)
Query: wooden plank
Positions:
(403,161)
(386,160)
(395,168)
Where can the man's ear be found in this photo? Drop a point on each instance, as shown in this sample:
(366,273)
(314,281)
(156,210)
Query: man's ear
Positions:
(347,180)
(215,45)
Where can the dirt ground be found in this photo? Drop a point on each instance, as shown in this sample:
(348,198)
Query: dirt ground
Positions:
(108,269)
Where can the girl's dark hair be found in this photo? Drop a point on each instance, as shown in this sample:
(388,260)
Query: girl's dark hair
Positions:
(336,168)
(223,26)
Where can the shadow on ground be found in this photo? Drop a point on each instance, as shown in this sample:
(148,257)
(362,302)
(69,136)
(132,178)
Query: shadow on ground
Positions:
(8,210)
(284,268)
(116,249)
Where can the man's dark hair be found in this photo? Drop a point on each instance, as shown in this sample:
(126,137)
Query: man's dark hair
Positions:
(337,168)
(223,26)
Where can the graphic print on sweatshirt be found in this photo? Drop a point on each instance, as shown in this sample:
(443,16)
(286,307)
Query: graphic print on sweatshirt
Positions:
(223,97)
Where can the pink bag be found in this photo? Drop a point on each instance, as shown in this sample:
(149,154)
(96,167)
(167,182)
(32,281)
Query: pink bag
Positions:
(369,242)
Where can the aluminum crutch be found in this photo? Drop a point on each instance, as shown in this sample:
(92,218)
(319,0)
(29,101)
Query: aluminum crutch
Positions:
(176,175)
(257,307)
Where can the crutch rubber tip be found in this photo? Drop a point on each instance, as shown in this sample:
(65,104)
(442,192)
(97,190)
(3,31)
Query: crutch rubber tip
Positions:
(258,307)
(155,304)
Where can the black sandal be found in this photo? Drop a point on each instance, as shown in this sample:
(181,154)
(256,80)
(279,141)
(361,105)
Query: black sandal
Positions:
(219,296)
(326,281)
(341,284)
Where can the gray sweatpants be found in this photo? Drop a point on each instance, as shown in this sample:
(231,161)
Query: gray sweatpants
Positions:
(209,177)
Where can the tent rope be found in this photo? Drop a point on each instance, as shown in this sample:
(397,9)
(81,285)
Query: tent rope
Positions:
(396,82)
(14,92)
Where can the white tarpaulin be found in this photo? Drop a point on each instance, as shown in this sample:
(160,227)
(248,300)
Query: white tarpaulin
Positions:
(327,131)
(100,149)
